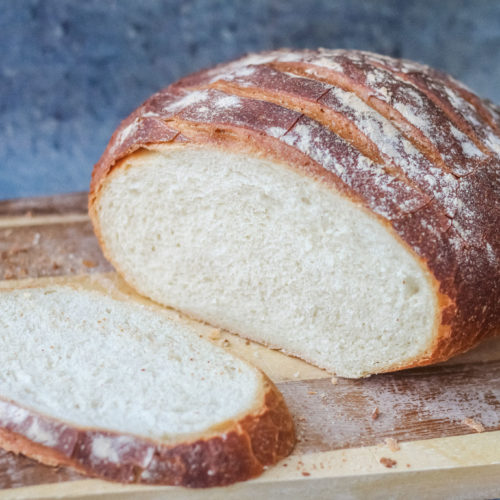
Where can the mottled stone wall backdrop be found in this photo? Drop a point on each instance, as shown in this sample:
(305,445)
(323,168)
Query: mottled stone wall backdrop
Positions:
(70,70)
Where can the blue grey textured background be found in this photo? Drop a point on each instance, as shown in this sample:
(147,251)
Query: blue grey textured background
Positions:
(70,70)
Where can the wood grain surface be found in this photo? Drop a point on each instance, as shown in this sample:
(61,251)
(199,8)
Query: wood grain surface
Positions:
(415,404)
(59,249)
(51,238)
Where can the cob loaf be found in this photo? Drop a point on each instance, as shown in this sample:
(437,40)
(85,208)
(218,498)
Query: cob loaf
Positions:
(339,205)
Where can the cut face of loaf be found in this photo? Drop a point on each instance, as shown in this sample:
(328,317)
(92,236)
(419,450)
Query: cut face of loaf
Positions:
(339,205)
(117,390)
(252,246)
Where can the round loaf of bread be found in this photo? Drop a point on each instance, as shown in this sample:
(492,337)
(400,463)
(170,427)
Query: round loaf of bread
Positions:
(339,205)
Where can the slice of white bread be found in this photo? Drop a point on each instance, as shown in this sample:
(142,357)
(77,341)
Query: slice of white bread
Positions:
(338,205)
(119,391)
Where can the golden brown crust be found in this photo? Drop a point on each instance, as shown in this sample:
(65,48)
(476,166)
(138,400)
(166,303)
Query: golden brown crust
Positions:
(237,451)
(437,189)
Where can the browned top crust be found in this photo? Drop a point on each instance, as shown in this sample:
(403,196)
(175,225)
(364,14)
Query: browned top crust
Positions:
(236,451)
(411,144)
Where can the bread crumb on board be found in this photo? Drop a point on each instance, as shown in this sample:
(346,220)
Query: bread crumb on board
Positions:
(392,444)
(214,334)
(8,275)
(15,250)
(473,424)
(334,380)
(388,462)
(375,413)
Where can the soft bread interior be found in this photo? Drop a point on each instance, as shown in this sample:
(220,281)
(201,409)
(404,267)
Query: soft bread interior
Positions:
(94,361)
(256,247)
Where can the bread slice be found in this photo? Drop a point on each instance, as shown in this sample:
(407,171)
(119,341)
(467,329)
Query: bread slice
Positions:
(119,391)
(338,205)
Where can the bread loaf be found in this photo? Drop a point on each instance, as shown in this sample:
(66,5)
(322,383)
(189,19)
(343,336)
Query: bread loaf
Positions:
(119,391)
(339,205)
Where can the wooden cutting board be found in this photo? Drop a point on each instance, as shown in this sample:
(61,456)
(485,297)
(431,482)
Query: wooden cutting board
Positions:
(423,433)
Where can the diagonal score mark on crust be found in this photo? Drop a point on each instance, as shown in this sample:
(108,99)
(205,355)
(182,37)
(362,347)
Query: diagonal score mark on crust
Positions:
(459,110)
(441,142)
(339,80)
(481,106)
(471,98)
(287,90)
(311,108)
(435,91)
(453,99)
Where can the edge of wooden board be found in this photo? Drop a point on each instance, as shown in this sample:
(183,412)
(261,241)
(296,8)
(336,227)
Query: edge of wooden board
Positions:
(458,467)
(40,220)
